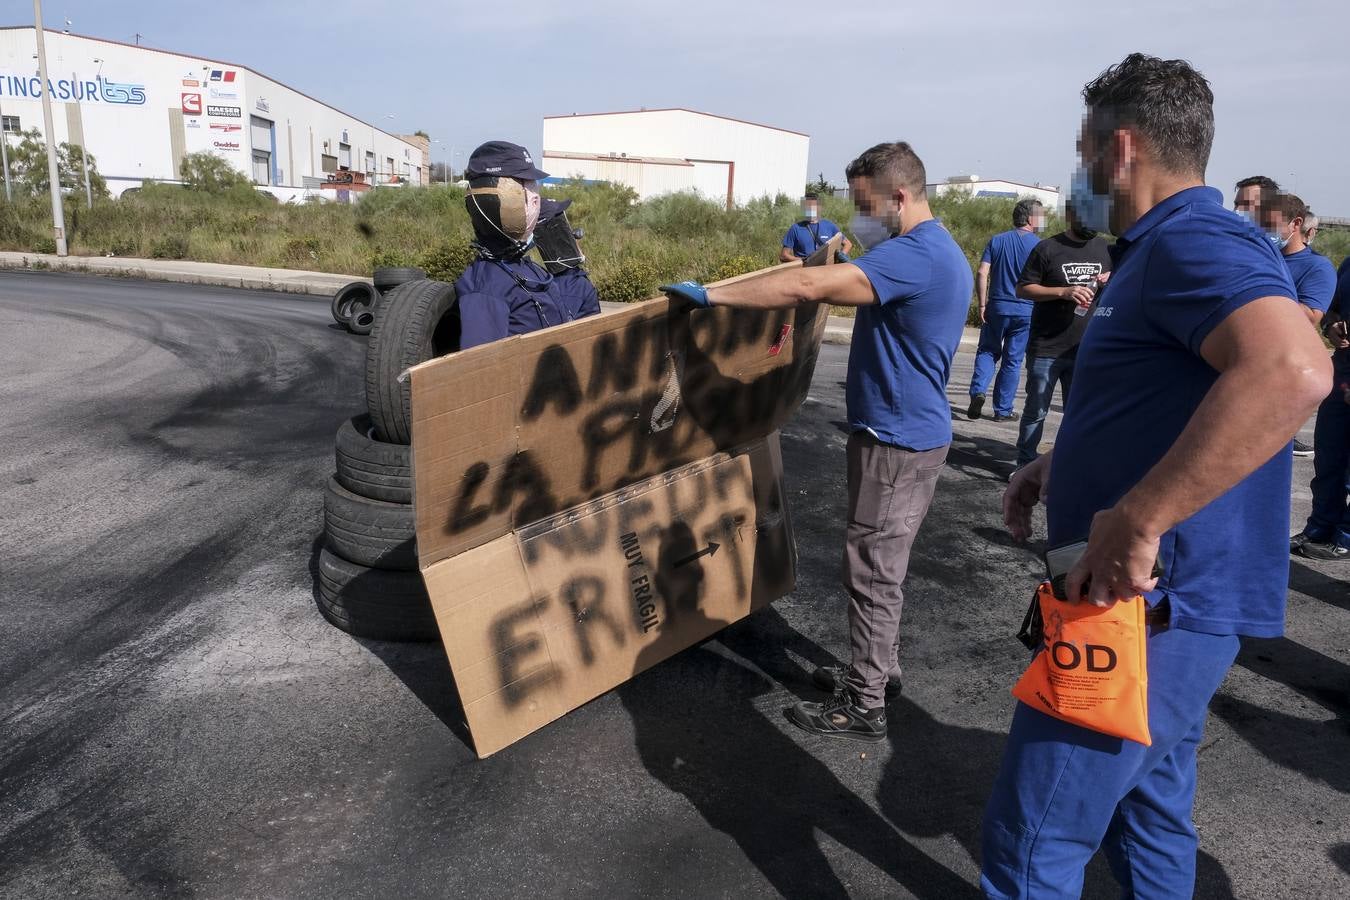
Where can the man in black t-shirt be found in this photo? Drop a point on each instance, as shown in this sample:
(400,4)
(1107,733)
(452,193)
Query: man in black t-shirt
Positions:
(1062,277)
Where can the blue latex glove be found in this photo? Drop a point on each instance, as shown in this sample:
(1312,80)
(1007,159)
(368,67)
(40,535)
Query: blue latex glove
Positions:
(690,291)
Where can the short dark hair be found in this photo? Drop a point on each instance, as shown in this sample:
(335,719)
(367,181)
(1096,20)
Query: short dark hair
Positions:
(1023,212)
(810,195)
(894,162)
(1291,206)
(1261,181)
(1166,100)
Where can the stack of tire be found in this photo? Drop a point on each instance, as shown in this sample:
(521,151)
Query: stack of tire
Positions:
(369,584)
(354,304)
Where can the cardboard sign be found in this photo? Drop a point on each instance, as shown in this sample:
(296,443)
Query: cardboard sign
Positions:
(595,497)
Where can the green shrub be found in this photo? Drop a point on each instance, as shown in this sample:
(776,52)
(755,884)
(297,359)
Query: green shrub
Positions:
(448,261)
(43,245)
(211,174)
(302,250)
(627,282)
(171,246)
(738,265)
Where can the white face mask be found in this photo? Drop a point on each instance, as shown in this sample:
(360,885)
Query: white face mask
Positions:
(810,212)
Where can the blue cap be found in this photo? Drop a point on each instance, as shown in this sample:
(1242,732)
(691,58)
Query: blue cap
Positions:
(504,160)
(549,208)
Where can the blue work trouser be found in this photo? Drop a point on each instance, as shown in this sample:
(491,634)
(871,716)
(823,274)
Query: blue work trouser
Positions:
(1043,373)
(1002,338)
(1063,790)
(1330,518)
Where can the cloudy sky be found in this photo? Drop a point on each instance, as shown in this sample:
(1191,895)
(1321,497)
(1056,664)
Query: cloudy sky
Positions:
(978,87)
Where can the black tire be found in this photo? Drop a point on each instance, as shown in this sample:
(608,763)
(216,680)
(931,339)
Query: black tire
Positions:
(414,322)
(373,603)
(387,277)
(372,468)
(349,296)
(363,319)
(369,532)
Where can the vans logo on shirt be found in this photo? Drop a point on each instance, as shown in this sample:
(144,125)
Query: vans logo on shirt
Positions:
(1081,273)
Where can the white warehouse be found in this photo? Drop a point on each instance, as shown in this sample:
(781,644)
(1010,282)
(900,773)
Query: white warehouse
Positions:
(140,111)
(658,151)
(1048,194)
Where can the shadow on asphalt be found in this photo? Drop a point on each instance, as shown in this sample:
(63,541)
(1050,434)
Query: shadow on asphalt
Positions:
(1340,855)
(713,744)
(1317,749)
(981,457)
(1307,580)
(422,667)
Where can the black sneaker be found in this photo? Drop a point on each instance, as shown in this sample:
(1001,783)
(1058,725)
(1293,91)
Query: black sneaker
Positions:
(1302,449)
(831,678)
(1323,551)
(976,407)
(1298,540)
(1008,418)
(840,717)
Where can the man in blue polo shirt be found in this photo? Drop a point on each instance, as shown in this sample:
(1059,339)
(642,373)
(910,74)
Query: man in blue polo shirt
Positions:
(810,234)
(1196,371)
(1326,536)
(912,290)
(1006,317)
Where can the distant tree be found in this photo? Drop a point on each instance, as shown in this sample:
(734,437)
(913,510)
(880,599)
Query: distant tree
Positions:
(422,134)
(28,167)
(209,173)
(820,186)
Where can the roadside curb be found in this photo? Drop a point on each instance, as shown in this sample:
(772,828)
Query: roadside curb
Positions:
(288,281)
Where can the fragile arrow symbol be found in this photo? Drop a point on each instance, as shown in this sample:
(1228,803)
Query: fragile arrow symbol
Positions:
(706,551)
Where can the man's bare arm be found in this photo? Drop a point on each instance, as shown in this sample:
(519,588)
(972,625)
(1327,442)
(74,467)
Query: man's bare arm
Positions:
(1273,373)
(843,285)
(982,287)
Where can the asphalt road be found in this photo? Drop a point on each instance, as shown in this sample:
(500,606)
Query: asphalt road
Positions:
(177,720)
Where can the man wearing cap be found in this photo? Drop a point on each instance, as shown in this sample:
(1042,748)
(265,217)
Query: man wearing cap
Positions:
(557,243)
(502,292)
(810,234)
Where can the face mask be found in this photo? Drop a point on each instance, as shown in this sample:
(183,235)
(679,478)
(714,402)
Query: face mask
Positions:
(531,208)
(868,230)
(1248,214)
(1280,241)
(810,212)
(1093,209)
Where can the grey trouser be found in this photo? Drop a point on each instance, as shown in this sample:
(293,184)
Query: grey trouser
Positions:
(889,489)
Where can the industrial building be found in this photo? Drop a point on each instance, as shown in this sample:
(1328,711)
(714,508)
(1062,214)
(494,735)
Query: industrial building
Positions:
(659,151)
(1048,194)
(139,111)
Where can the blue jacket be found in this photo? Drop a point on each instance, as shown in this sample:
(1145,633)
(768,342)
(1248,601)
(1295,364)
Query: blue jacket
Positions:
(498,299)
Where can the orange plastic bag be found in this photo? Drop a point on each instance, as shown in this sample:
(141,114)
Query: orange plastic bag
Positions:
(1093,668)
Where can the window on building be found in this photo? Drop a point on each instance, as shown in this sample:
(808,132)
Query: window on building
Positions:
(345,155)
(370,163)
(11,124)
(328,163)
(389,167)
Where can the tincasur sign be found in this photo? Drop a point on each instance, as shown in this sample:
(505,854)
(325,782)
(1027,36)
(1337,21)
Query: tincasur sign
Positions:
(95,90)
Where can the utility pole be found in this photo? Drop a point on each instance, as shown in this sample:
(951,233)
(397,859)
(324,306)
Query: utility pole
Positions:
(84,146)
(53,171)
(4,158)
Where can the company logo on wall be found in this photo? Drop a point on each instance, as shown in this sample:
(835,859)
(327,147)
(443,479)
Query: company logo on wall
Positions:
(98,90)
(225,112)
(228,129)
(261,105)
(191,82)
(224,95)
(225,75)
(192,104)
(231,146)
(192,123)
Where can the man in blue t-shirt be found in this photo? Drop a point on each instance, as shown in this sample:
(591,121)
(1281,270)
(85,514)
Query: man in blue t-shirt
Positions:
(1005,317)
(1326,536)
(1196,371)
(912,290)
(1314,275)
(810,234)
